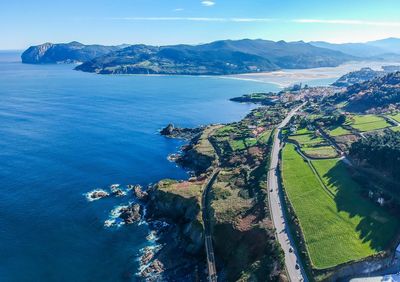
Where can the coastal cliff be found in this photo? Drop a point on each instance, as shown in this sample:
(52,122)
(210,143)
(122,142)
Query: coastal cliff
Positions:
(242,232)
(65,53)
(179,203)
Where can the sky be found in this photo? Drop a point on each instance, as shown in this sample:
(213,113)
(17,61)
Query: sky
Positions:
(160,22)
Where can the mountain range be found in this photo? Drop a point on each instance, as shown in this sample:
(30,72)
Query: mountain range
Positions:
(215,58)
(385,48)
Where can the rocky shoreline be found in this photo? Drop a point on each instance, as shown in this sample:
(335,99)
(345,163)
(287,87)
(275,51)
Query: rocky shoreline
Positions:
(172,209)
(175,250)
(181,133)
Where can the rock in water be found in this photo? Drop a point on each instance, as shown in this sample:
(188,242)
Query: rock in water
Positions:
(139,193)
(96,195)
(168,130)
(118,193)
(147,256)
(130,214)
(156,267)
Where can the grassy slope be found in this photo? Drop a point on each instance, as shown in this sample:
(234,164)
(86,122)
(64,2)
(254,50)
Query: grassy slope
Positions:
(335,229)
(368,122)
(396,117)
(320,152)
(338,131)
(307,139)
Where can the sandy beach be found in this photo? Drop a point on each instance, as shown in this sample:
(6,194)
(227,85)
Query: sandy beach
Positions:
(287,77)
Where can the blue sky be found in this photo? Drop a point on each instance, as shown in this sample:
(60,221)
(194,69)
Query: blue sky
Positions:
(159,22)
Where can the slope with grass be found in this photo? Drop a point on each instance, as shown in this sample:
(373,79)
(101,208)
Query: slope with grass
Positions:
(308,139)
(336,230)
(337,131)
(320,152)
(366,123)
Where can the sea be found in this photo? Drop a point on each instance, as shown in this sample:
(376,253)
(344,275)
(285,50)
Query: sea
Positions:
(64,133)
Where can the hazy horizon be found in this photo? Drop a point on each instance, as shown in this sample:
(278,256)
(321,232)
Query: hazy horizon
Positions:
(157,22)
(198,43)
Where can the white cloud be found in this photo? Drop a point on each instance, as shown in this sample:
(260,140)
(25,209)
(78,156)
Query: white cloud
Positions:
(348,22)
(208,3)
(265,20)
(194,19)
(178,10)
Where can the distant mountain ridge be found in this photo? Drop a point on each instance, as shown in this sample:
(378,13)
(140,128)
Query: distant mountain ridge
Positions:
(215,58)
(384,48)
(73,52)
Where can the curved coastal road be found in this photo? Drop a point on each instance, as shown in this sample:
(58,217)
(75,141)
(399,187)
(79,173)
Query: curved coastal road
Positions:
(277,213)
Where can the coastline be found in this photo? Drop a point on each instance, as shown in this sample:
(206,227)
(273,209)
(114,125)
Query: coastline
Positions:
(287,77)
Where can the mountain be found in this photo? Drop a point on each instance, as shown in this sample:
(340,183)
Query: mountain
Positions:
(380,92)
(216,58)
(391,45)
(381,49)
(142,59)
(72,52)
(354,49)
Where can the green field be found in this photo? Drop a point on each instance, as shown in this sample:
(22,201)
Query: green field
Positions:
(320,152)
(237,145)
(396,117)
(264,137)
(307,139)
(337,131)
(365,123)
(337,223)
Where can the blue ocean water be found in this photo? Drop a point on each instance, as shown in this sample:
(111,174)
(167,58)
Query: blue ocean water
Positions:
(64,133)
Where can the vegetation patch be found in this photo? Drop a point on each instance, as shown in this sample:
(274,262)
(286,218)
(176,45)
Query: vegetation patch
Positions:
(308,139)
(320,152)
(365,123)
(336,230)
(337,131)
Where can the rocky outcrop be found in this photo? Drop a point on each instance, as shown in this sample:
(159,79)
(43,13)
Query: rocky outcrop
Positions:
(130,214)
(73,52)
(139,193)
(179,210)
(96,195)
(183,133)
(154,269)
(194,159)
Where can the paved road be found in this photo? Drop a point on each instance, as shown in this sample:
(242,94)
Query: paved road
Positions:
(278,216)
(212,270)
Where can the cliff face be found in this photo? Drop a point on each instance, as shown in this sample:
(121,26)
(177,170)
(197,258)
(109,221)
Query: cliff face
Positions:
(199,155)
(74,52)
(179,203)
